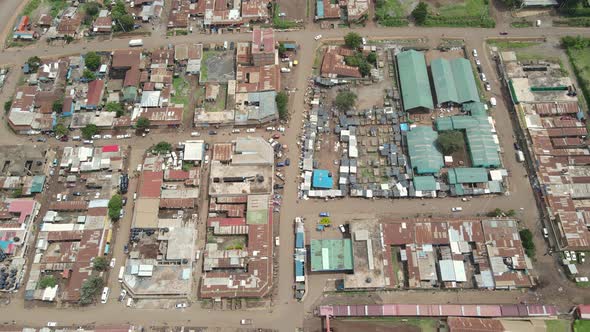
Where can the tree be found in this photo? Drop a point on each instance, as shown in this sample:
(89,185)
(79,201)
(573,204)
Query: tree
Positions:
(115,206)
(450,141)
(345,100)
(125,23)
(34,62)
(7,105)
(527,242)
(497,212)
(18,192)
(142,123)
(60,129)
(90,289)
(92,9)
(353,40)
(90,76)
(89,130)
(92,61)
(282,100)
(577,42)
(100,264)
(69,39)
(364,68)
(115,107)
(372,58)
(282,49)
(420,13)
(162,148)
(47,281)
(58,106)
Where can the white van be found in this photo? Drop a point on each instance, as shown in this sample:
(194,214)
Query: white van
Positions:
(251,130)
(195,134)
(493,101)
(277,241)
(75,138)
(136,42)
(121,273)
(105,295)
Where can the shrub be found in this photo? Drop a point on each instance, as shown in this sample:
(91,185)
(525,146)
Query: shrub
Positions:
(115,206)
(450,141)
(345,100)
(90,289)
(282,100)
(100,264)
(353,40)
(47,281)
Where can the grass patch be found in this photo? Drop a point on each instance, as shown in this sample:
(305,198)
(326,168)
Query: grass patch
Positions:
(56,7)
(521,24)
(181,88)
(583,284)
(582,326)
(471,13)
(281,22)
(31,7)
(391,13)
(203,73)
(580,60)
(557,325)
(425,324)
(510,44)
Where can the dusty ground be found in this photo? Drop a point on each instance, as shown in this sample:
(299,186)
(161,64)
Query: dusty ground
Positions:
(297,9)
(370,326)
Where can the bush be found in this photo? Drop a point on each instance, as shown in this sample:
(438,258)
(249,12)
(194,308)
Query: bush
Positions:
(282,100)
(527,242)
(345,100)
(162,148)
(450,141)
(7,105)
(360,62)
(18,192)
(90,289)
(100,263)
(115,107)
(115,206)
(497,212)
(92,61)
(92,9)
(58,106)
(89,131)
(60,129)
(34,62)
(353,40)
(47,281)
(420,13)
(89,75)
(372,58)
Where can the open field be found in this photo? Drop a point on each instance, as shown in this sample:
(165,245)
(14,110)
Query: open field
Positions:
(473,13)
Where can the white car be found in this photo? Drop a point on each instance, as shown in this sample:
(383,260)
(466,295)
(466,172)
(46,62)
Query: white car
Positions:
(113,262)
(488,86)
(195,134)
(251,130)
(122,295)
(477,62)
(52,324)
(483,77)
(282,14)
(318,37)
(457,209)
(107,136)
(181,305)
(235,131)
(474,52)
(342,228)
(493,101)
(96,136)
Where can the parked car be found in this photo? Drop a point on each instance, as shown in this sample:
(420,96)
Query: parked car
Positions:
(280,164)
(503,33)
(483,77)
(195,134)
(122,295)
(278,186)
(181,305)
(77,193)
(212,132)
(488,86)
(64,138)
(318,37)
(493,101)
(477,62)
(545,233)
(324,214)
(457,209)
(246,322)
(342,228)
(474,52)
(41,139)
(251,130)
(287,162)
(113,262)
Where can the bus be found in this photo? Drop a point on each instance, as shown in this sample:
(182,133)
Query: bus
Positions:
(107,248)
(105,295)
(121,273)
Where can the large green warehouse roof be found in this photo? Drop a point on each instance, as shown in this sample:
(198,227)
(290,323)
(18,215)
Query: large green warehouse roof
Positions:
(331,255)
(453,81)
(414,81)
(424,156)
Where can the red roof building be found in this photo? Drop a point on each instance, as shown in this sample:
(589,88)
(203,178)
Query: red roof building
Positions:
(95,93)
(110,148)
(150,185)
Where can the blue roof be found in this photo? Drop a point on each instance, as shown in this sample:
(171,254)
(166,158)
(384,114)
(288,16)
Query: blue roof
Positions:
(299,268)
(320,8)
(299,240)
(322,179)
(289,46)
(38,183)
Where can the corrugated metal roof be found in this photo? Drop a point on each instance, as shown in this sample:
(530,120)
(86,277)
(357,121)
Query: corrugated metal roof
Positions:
(424,156)
(444,83)
(331,255)
(464,80)
(425,183)
(467,175)
(415,84)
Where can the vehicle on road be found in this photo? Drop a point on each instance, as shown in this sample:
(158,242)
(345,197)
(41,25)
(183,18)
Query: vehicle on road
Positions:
(519,156)
(181,305)
(235,131)
(122,295)
(195,134)
(277,241)
(287,162)
(113,262)
(483,77)
(41,139)
(457,209)
(503,33)
(493,101)
(278,186)
(285,70)
(538,23)
(121,273)
(280,164)
(545,233)
(105,295)
(282,14)
(488,86)
(52,324)
(324,214)
(212,132)
(342,228)
(129,301)
(477,62)
(77,193)
(246,322)
(251,130)
(318,37)
(136,43)
(474,52)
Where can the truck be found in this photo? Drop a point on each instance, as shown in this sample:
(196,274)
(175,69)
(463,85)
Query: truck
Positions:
(136,43)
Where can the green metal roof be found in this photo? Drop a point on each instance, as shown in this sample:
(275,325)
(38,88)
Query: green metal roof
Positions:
(467,175)
(476,109)
(444,83)
(424,156)
(414,81)
(424,183)
(483,149)
(464,80)
(37,184)
(331,255)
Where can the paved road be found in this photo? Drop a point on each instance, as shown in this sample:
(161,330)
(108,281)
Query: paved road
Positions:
(285,314)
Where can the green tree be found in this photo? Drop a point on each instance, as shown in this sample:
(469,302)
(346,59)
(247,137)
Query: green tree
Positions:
(69,39)
(142,123)
(18,192)
(497,212)
(90,289)
(7,105)
(34,62)
(92,8)
(115,206)
(57,106)
(353,40)
(162,148)
(89,75)
(577,42)
(282,49)
(420,13)
(372,58)
(60,129)
(125,23)
(100,263)
(450,141)
(92,61)
(364,68)
(282,100)
(345,100)
(526,236)
(115,107)
(47,281)
(89,130)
